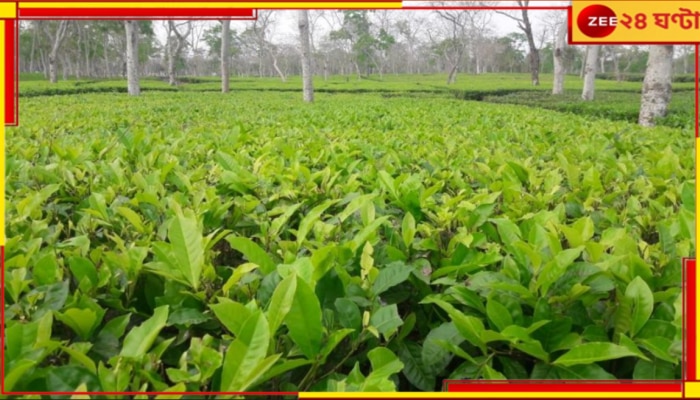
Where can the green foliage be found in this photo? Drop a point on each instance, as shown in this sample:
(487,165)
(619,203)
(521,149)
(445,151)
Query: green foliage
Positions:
(619,103)
(212,37)
(363,243)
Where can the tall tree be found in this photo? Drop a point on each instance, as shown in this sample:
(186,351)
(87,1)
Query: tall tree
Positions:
(453,45)
(656,91)
(225,55)
(589,72)
(56,36)
(261,31)
(132,57)
(612,52)
(175,44)
(355,30)
(383,41)
(306,71)
(526,26)
(560,58)
(686,57)
(408,28)
(510,57)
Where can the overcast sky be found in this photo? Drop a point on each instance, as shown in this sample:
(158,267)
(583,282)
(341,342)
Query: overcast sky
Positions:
(285,29)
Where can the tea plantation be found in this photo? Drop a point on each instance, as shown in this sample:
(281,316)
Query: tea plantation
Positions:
(187,240)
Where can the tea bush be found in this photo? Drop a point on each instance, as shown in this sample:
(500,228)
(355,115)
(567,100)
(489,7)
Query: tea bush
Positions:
(208,242)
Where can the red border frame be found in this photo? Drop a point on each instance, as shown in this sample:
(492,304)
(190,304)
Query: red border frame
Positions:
(12,119)
(697,89)
(558,386)
(690,322)
(11,68)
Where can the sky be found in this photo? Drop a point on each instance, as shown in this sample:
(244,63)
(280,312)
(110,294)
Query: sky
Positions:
(285,29)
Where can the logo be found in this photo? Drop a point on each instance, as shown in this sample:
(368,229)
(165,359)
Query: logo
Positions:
(597,21)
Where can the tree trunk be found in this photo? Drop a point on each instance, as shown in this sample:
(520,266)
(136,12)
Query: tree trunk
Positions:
(53,55)
(534,55)
(88,64)
(281,74)
(175,46)
(225,55)
(31,57)
(53,74)
(171,65)
(260,63)
(64,67)
(132,57)
(616,64)
(44,63)
(306,71)
(559,60)
(106,57)
(583,62)
(589,72)
(452,76)
(656,92)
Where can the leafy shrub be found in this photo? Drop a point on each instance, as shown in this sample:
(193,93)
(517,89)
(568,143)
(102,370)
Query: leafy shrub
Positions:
(620,106)
(638,77)
(182,241)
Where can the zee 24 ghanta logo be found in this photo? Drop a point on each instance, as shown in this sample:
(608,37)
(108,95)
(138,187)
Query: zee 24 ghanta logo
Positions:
(599,21)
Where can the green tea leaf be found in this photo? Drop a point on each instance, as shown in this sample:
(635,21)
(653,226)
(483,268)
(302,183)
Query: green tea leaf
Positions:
(281,302)
(492,374)
(642,302)
(231,314)
(554,269)
(187,247)
(386,320)
(252,252)
(81,321)
(585,372)
(348,313)
(408,229)
(659,347)
(334,340)
(580,232)
(470,327)
(310,219)
(498,314)
(81,268)
(282,368)
(414,370)
(46,270)
(390,276)
(133,218)
(245,354)
(140,339)
(304,320)
(278,223)
(589,353)
(653,370)
(384,364)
